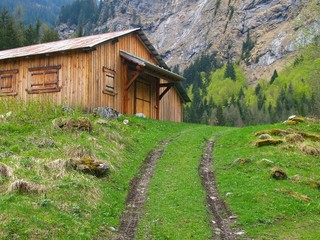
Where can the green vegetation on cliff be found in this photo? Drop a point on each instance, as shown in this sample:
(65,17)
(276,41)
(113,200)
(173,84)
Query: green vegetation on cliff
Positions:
(223,97)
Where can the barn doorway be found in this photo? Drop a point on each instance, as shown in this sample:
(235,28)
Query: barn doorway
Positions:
(142,97)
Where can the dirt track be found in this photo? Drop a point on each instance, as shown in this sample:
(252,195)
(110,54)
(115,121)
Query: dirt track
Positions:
(222,216)
(138,194)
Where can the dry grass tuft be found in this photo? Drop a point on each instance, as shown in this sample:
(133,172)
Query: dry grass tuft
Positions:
(310,136)
(6,171)
(60,165)
(293,138)
(80,152)
(22,186)
(310,150)
(276,132)
(295,195)
(309,181)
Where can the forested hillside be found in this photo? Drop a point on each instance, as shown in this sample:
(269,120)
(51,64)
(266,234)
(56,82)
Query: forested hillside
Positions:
(32,10)
(221,94)
(13,33)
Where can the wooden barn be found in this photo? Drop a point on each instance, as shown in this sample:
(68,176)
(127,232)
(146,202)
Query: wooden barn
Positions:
(121,70)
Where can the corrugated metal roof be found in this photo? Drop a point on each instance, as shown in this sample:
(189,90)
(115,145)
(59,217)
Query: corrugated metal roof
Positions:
(62,45)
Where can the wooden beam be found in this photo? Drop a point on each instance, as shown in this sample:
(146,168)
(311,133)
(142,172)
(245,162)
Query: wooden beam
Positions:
(164,92)
(135,76)
(166,85)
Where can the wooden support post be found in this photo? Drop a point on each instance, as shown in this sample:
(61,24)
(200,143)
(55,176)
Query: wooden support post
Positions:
(125,90)
(157,99)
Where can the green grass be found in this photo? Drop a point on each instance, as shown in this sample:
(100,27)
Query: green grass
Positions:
(263,210)
(81,206)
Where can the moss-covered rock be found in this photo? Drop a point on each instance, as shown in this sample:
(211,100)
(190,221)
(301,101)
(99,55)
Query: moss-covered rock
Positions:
(278,174)
(81,123)
(90,166)
(268,142)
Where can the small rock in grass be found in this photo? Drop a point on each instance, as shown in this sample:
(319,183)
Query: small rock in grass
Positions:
(265,136)
(228,194)
(240,233)
(278,174)
(242,161)
(112,229)
(140,115)
(266,162)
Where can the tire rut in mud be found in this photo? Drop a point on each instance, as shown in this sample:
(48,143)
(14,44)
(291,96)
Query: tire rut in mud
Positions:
(137,194)
(222,216)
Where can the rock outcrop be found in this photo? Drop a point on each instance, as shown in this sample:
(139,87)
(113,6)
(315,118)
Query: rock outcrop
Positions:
(181,30)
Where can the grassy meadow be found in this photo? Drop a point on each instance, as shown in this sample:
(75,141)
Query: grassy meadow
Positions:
(65,203)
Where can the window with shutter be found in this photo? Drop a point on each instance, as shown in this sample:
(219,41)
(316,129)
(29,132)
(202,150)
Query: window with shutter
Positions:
(109,81)
(44,79)
(8,82)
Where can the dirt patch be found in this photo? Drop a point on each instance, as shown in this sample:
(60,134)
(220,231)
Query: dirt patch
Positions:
(222,216)
(137,194)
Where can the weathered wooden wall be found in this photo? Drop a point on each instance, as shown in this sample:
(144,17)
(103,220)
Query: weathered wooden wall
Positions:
(82,79)
(171,106)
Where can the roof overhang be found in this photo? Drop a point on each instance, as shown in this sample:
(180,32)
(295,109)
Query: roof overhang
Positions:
(158,72)
(152,69)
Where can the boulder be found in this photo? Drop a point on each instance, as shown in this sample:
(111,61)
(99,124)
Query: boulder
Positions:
(106,112)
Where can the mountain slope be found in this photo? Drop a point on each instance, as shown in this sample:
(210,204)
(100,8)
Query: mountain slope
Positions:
(181,30)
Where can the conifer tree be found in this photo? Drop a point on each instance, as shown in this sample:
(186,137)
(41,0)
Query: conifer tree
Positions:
(274,76)
(230,72)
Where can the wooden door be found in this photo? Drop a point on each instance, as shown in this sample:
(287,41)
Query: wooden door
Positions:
(142,97)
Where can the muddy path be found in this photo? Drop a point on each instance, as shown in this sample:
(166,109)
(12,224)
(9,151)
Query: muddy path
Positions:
(138,194)
(222,216)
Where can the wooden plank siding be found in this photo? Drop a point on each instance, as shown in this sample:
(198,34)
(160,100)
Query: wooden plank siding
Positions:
(171,106)
(82,78)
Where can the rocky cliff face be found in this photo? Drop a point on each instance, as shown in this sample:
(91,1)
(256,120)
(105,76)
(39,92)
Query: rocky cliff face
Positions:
(181,30)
